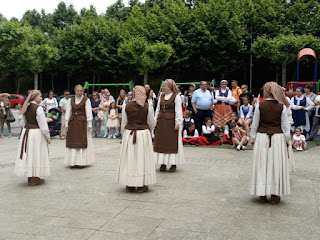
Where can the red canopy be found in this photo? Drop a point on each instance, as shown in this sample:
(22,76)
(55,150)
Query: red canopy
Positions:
(307,51)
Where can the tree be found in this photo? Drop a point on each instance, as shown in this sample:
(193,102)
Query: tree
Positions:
(283,49)
(64,15)
(146,57)
(32,17)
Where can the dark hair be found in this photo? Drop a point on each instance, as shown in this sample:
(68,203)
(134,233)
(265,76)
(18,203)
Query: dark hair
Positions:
(216,85)
(261,92)
(247,97)
(233,125)
(244,85)
(309,86)
(297,128)
(50,91)
(207,119)
(65,91)
(234,113)
(190,124)
(115,106)
(188,112)
(208,82)
(235,81)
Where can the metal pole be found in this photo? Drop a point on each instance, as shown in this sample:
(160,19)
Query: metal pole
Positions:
(251,65)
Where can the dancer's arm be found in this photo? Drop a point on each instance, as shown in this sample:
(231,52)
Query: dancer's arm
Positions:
(42,122)
(255,123)
(285,125)
(89,113)
(150,117)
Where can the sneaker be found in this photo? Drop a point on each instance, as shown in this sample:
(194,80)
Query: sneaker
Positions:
(238,147)
(244,148)
(109,136)
(114,136)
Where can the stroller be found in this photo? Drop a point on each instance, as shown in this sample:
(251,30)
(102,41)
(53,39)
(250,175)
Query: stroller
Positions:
(54,121)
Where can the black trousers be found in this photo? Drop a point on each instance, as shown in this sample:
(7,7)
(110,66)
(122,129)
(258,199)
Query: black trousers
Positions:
(199,119)
(234,108)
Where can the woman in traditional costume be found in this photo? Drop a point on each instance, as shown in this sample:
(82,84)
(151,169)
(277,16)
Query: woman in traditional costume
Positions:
(270,132)
(168,145)
(33,156)
(222,109)
(300,106)
(137,167)
(79,151)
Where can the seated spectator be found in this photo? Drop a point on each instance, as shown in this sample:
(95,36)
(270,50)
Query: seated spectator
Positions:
(316,120)
(186,120)
(246,115)
(191,131)
(208,131)
(239,138)
(299,140)
(227,136)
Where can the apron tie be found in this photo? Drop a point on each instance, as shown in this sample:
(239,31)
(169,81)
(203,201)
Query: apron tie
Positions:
(24,143)
(134,132)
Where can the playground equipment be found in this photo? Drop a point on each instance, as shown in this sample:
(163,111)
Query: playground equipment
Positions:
(292,86)
(87,85)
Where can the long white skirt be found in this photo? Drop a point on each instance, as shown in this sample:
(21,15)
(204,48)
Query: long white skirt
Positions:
(171,158)
(80,157)
(136,167)
(35,161)
(270,166)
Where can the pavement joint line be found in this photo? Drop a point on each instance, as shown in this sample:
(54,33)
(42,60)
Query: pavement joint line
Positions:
(315,195)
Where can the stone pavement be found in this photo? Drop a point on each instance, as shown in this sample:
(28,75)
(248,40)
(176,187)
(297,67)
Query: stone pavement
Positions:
(207,198)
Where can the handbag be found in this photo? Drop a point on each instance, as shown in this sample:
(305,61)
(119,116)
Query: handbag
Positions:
(10,117)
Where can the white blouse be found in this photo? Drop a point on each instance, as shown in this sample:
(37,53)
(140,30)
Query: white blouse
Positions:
(296,138)
(150,118)
(309,105)
(208,130)
(87,107)
(196,133)
(49,103)
(285,126)
(178,108)
(229,99)
(42,121)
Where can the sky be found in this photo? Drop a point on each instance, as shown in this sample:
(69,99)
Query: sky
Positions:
(16,8)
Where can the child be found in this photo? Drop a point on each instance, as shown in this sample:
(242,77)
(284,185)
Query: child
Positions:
(190,132)
(208,131)
(227,137)
(113,121)
(238,137)
(52,115)
(299,140)
(246,115)
(186,120)
(129,98)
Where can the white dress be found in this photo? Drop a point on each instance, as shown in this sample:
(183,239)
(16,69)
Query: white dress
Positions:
(271,165)
(136,166)
(35,161)
(84,156)
(172,158)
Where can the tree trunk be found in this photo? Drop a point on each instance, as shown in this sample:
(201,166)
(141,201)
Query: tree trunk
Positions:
(145,78)
(277,76)
(52,83)
(36,80)
(40,81)
(93,80)
(18,86)
(284,74)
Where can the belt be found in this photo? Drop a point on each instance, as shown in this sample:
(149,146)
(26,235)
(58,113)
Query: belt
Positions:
(24,142)
(134,132)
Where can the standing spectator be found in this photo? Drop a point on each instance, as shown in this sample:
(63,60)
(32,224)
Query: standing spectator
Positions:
(222,110)
(188,97)
(105,92)
(151,100)
(300,104)
(104,107)
(308,92)
(148,88)
(129,98)
(316,120)
(4,112)
(113,121)
(96,123)
(64,102)
(119,104)
(236,92)
(182,98)
(202,104)
(245,92)
(49,102)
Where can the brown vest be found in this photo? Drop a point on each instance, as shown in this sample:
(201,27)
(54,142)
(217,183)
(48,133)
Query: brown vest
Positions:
(31,116)
(137,118)
(270,117)
(166,138)
(77,125)
(31,123)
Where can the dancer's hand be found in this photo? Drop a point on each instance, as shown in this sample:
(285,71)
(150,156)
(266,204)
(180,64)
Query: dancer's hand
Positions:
(176,127)
(49,141)
(89,128)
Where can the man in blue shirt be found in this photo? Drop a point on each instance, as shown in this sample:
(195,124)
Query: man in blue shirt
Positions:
(202,104)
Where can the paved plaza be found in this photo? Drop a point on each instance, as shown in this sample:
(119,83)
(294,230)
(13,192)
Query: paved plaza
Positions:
(207,198)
